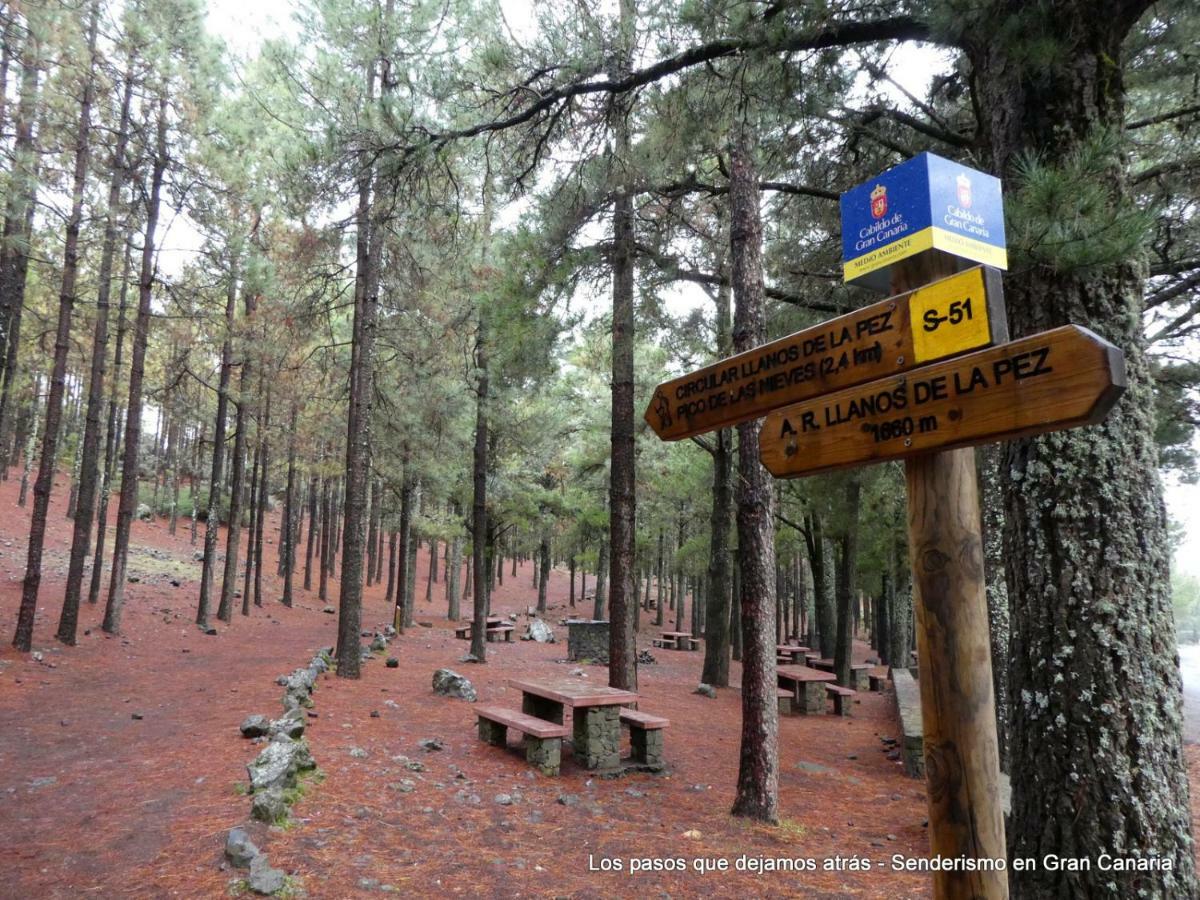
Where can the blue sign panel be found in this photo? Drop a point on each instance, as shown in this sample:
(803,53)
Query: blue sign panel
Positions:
(925,203)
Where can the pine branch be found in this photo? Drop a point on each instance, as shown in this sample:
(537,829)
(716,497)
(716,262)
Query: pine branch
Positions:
(842,34)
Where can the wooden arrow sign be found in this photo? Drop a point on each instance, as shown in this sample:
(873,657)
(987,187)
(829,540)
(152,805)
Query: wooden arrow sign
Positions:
(1059,379)
(952,316)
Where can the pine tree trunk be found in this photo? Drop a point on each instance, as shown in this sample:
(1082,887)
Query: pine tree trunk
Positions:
(389,595)
(543,574)
(601,576)
(236,484)
(137,368)
(313,525)
(264,491)
(54,403)
(110,437)
(290,514)
(372,516)
(847,567)
(479,520)
(758,772)
(622,649)
(1096,720)
(453,568)
(212,523)
(406,501)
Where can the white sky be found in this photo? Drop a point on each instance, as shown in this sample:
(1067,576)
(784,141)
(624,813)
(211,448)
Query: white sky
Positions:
(243,24)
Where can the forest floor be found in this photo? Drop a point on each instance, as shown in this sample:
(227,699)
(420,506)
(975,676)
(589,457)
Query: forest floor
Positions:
(95,802)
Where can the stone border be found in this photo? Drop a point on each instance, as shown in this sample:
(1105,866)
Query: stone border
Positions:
(276,772)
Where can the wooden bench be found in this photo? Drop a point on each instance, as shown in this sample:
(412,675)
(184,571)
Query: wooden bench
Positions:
(663,644)
(645,737)
(543,740)
(494,632)
(842,696)
(877,682)
(463,632)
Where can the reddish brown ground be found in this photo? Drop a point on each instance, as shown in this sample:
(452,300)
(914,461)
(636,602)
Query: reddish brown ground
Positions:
(93,802)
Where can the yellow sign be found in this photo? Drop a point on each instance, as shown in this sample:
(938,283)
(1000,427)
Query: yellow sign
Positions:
(950,316)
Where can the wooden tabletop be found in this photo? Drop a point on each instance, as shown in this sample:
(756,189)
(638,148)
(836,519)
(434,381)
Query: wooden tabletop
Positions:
(790,648)
(676,634)
(829,664)
(804,673)
(574,692)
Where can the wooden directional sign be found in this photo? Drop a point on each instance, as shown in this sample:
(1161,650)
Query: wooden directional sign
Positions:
(948,317)
(1057,379)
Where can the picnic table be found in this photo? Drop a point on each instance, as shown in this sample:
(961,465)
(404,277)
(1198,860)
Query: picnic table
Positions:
(859,672)
(808,686)
(595,714)
(678,640)
(494,626)
(794,651)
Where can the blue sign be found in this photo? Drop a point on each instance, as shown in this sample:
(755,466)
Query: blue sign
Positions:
(925,203)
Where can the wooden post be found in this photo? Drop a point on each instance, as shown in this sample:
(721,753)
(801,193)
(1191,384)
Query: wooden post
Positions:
(958,709)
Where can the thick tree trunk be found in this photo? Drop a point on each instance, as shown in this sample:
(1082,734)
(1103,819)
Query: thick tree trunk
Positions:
(62,343)
(622,648)
(137,369)
(543,573)
(598,605)
(825,619)
(264,491)
(1096,720)
(453,571)
(758,770)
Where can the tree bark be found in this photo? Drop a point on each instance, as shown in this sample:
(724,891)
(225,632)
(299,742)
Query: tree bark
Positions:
(62,342)
(479,521)
(137,368)
(758,770)
(236,486)
(847,568)
(290,517)
(1096,719)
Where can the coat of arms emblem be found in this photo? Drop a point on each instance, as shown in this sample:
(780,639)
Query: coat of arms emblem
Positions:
(964,191)
(879,201)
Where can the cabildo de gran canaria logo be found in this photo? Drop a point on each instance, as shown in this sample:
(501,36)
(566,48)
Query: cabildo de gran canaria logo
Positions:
(923,204)
(879,201)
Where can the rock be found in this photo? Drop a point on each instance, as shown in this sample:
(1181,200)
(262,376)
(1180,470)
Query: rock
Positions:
(449,683)
(359,753)
(291,725)
(239,849)
(634,792)
(468,658)
(706,690)
(379,644)
(431,745)
(263,879)
(319,665)
(539,631)
(133,579)
(693,835)
(143,512)
(503,800)
(413,766)
(137,716)
(646,658)
(392,663)
(389,631)
(374,714)
(255,726)
(210,631)
(278,763)
(269,806)
(578,673)
(404,785)
(568,800)
(329,610)
(197,555)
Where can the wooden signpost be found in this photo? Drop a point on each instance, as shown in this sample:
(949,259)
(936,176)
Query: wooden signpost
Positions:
(1058,379)
(891,381)
(951,316)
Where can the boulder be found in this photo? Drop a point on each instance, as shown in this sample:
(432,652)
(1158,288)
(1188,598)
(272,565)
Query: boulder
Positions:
(269,806)
(278,763)
(706,690)
(319,665)
(239,849)
(392,663)
(431,745)
(143,512)
(255,726)
(290,725)
(263,879)
(378,644)
(539,631)
(449,683)
(328,610)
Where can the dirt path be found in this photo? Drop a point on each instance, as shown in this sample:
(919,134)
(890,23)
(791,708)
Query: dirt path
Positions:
(95,802)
